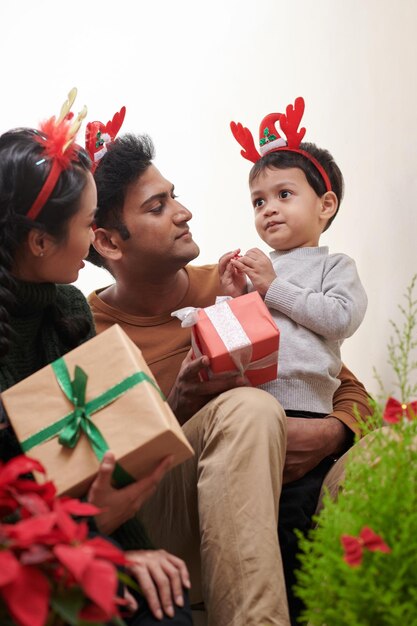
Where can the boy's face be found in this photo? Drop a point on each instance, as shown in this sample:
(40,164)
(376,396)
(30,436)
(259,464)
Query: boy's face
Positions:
(288,212)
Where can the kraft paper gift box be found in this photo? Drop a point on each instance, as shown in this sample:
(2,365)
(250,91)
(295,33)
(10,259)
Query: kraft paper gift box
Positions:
(236,334)
(137,424)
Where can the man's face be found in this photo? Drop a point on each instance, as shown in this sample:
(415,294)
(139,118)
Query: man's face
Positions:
(158,225)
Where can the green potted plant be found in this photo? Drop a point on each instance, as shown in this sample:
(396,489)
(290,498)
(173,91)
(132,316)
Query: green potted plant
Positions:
(359,564)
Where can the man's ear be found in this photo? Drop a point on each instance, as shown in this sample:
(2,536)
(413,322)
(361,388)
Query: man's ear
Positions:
(106,243)
(329,204)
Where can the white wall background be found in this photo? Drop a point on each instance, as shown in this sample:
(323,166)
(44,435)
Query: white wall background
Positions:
(184,69)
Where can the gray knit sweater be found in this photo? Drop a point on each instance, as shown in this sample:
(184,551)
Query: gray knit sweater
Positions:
(316,300)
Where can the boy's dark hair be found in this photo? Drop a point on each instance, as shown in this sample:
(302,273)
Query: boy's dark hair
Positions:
(282,159)
(127,158)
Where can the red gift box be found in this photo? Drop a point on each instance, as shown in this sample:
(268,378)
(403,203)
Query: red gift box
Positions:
(238,334)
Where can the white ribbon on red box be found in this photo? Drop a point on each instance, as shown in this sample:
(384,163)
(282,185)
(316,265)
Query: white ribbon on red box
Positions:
(230,331)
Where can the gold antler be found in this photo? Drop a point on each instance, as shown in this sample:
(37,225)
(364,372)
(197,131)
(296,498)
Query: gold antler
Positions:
(66,107)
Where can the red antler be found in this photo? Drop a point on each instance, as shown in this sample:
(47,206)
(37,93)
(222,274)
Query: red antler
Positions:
(244,137)
(290,121)
(114,125)
(98,135)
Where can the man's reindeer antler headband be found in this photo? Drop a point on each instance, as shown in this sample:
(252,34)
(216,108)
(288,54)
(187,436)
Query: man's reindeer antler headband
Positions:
(270,140)
(57,137)
(98,136)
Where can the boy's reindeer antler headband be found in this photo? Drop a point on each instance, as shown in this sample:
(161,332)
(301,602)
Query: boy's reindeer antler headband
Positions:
(98,136)
(57,137)
(270,140)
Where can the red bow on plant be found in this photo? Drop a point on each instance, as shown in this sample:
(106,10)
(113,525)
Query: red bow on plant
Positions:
(354,546)
(395,411)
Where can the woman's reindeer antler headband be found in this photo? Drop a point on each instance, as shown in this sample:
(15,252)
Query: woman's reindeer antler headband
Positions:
(270,139)
(98,136)
(57,137)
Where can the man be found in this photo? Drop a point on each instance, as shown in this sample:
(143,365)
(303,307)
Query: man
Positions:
(222,505)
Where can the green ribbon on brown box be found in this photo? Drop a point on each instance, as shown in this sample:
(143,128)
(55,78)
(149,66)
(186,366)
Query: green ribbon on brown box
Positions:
(70,427)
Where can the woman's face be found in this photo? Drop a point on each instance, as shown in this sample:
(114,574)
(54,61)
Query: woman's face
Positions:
(66,258)
(44,259)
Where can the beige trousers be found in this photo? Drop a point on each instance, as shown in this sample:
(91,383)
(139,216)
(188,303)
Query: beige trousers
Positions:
(219,510)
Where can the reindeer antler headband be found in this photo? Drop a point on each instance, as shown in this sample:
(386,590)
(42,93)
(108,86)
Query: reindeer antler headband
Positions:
(98,136)
(270,140)
(57,137)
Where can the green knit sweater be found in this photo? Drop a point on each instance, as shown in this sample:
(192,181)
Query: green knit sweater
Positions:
(35,343)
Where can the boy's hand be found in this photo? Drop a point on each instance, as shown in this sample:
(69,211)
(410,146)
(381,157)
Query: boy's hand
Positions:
(233,281)
(257,267)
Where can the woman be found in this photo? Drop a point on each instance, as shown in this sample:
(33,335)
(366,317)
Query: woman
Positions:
(47,204)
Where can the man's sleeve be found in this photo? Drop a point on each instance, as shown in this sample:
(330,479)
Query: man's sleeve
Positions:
(350,393)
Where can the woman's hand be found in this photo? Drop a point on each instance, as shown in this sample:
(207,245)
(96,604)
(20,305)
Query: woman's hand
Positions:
(120,505)
(161,577)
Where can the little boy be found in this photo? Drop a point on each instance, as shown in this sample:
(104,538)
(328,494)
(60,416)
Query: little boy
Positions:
(315,298)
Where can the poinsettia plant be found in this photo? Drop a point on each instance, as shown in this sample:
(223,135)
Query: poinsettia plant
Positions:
(52,570)
(358,566)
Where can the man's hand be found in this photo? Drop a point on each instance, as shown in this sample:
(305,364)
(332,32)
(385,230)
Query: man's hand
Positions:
(232,280)
(120,505)
(258,268)
(309,441)
(190,393)
(161,578)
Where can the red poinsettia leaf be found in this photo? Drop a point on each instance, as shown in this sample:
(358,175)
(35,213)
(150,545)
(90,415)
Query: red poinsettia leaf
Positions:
(352,550)
(8,504)
(27,597)
(93,613)
(100,585)
(32,530)
(9,567)
(35,554)
(373,541)
(105,550)
(18,466)
(75,559)
(65,522)
(45,490)
(32,503)
(75,507)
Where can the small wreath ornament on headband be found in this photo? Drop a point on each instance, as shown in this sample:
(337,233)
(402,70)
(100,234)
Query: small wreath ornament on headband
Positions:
(57,137)
(272,140)
(98,136)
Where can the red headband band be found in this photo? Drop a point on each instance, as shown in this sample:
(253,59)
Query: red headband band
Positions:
(272,140)
(57,138)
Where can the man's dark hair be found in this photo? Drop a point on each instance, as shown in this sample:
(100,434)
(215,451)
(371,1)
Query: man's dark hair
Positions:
(282,159)
(127,158)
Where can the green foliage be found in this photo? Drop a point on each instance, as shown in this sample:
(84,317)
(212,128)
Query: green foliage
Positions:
(380,492)
(402,348)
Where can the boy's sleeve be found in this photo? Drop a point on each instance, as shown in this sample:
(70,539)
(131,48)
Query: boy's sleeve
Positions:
(335,312)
